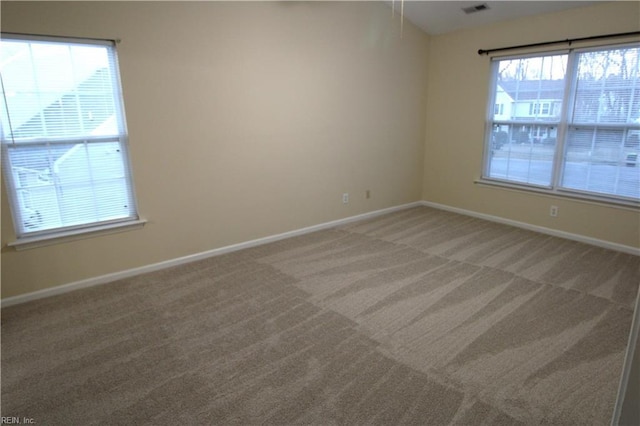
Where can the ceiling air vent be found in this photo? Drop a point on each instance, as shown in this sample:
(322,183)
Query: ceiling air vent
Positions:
(476,8)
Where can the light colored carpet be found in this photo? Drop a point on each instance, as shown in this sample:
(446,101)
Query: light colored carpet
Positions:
(416,317)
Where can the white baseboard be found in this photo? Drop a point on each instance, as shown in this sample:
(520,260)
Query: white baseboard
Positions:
(554,232)
(103,279)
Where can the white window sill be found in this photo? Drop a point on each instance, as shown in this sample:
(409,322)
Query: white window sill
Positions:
(78,234)
(576,196)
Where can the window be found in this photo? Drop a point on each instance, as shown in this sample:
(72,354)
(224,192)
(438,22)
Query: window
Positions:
(534,109)
(64,141)
(545,109)
(575,125)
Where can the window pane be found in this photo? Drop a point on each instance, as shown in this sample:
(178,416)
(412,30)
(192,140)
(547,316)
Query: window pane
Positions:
(523,153)
(68,185)
(34,185)
(607,88)
(58,90)
(531,89)
(599,159)
(602,161)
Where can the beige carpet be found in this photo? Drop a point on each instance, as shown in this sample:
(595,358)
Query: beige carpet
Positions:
(416,317)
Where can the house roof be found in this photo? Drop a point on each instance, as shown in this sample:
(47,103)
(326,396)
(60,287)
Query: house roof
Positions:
(523,90)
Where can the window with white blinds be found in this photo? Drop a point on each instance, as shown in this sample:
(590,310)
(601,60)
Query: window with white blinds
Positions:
(570,123)
(64,139)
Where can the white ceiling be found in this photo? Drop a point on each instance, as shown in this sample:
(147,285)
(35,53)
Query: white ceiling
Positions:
(439,17)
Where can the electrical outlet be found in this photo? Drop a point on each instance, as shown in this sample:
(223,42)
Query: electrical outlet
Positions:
(345,198)
(553,211)
(367,194)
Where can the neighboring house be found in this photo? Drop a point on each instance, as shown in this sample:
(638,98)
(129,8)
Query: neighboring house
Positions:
(503,105)
(502,111)
(532,101)
(529,101)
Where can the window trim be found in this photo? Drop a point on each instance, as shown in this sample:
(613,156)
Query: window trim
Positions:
(69,235)
(39,238)
(571,195)
(563,124)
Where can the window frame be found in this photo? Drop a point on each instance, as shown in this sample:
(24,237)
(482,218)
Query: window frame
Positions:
(555,187)
(36,238)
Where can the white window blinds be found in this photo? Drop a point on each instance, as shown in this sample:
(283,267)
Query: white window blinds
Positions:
(63,134)
(601,153)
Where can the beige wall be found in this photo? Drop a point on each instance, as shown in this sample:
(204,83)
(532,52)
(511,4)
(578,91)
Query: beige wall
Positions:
(457,101)
(245,120)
